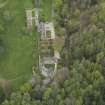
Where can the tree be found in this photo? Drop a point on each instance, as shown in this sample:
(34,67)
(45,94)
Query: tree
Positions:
(2,95)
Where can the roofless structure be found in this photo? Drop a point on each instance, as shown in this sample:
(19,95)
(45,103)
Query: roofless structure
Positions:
(32,15)
(48,58)
(47,30)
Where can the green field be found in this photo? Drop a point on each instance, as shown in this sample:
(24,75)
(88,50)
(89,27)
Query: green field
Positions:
(16,61)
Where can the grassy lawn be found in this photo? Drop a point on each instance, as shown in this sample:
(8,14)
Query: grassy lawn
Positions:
(16,61)
(46,7)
